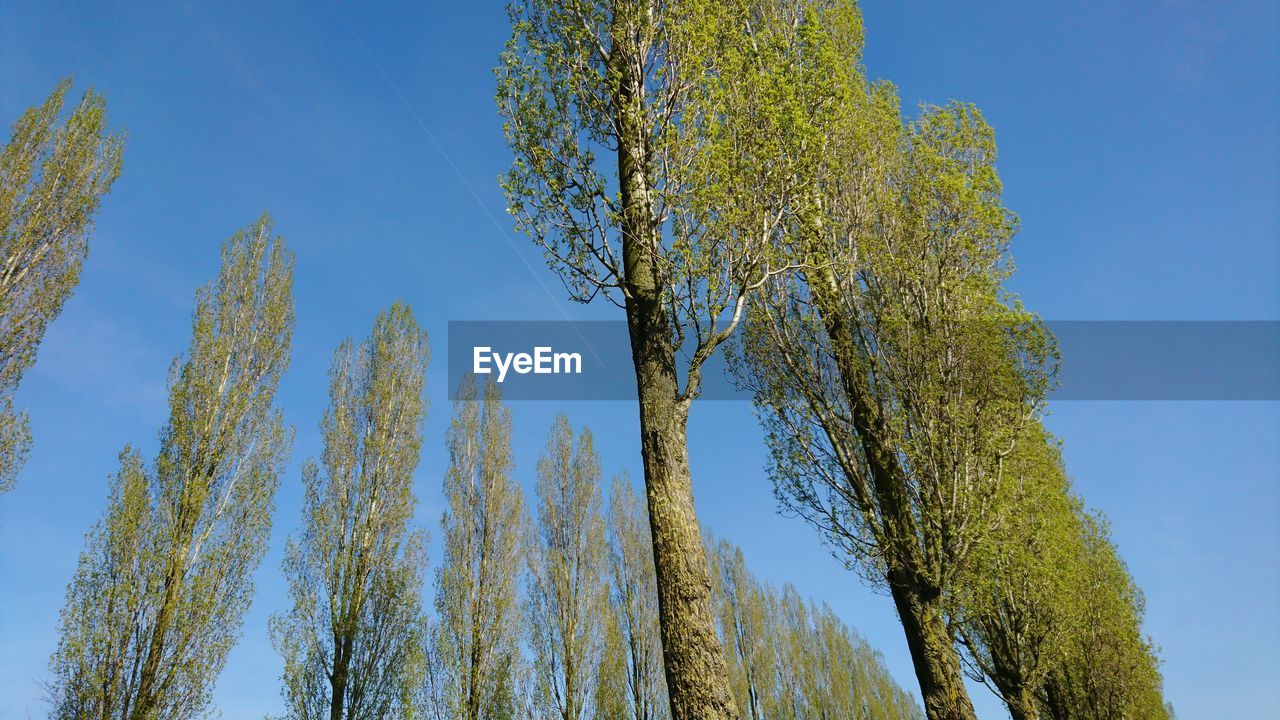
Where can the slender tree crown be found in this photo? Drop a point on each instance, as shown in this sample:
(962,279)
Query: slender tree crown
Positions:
(167,575)
(635,670)
(354,642)
(566,583)
(477,671)
(53,175)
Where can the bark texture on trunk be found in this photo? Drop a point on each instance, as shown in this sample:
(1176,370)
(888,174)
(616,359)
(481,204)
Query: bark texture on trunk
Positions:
(933,653)
(338,678)
(1022,705)
(1018,696)
(697,676)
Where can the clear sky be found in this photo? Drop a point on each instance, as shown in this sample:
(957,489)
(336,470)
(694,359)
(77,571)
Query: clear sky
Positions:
(1140,143)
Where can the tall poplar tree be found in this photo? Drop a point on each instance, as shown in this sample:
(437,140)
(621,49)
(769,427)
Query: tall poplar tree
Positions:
(566,565)
(477,661)
(634,603)
(53,174)
(893,370)
(167,575)
(644,133)
(354,642)
(1018,608)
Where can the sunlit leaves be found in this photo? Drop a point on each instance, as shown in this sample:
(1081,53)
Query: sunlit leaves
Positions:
(354,643)
(53,174)
(181,538)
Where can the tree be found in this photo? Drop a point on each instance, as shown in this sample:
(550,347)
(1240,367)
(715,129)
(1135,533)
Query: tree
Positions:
(354,641)
(634,604)
(1019,607)
(748,641)
(167,575)
(52,178)
(611,697)
(566,563)
(894,388)
(892,371)
(477,653)
(1109,670)
(643,133)
(847,678)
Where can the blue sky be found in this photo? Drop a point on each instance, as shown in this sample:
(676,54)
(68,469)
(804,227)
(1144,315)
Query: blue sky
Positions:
(1139,143)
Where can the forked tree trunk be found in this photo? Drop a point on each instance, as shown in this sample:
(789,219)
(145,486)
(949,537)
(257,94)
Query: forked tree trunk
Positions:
(697,677)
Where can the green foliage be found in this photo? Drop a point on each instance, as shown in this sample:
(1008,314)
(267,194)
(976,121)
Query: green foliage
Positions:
(1018,610)
(892,371)
(701,127)
(635,667)
(901,250)
(354,642)
(900,384)
(52,178)
(1110,669)
(477,669)
(566,564)
(611,696)
(652,144)
(176,550)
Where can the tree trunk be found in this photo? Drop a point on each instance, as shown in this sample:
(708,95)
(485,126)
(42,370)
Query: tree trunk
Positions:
(933,653)
(338,679)
(697,676)
(1022,705)
(175,573)
(1007,676)
(1055,699)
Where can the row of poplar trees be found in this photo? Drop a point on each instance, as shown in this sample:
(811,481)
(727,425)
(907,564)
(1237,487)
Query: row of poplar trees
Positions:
(542,612)
(545,614)
(725,172)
